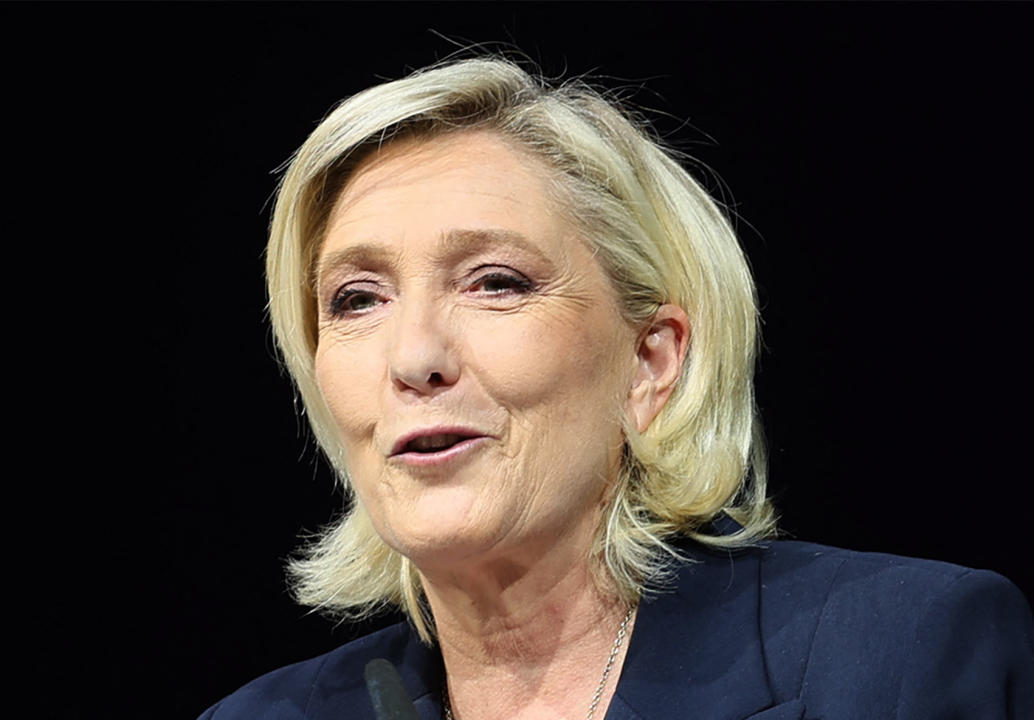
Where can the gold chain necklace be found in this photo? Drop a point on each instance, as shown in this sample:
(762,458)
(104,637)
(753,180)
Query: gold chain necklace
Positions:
(597,696)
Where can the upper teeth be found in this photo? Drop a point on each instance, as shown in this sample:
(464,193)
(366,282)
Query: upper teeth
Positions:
(433,442)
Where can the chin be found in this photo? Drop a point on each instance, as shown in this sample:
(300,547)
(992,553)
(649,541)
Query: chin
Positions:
(441,532)
(444,550)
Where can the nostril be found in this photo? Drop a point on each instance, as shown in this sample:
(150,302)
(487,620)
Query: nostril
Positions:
(436,379)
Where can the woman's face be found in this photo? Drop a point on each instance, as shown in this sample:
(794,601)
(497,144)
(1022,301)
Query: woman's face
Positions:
(470,350)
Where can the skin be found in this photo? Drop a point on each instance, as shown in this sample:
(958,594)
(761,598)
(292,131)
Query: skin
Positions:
(454,294)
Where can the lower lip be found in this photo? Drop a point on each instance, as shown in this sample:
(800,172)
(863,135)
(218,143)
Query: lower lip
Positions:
(441,457)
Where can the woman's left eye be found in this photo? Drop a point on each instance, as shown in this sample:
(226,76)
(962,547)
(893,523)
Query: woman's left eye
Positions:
(501,283)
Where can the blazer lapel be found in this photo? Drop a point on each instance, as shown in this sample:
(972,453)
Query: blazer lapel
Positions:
(423,675)
(696,652)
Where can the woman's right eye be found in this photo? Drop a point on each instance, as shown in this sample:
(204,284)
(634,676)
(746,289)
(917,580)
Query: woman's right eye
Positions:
(352,301)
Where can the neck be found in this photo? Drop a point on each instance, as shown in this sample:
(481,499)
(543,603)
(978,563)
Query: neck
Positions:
(525,636)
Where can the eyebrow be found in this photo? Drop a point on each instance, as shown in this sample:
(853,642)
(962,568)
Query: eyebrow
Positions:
(364,255)
(452,244)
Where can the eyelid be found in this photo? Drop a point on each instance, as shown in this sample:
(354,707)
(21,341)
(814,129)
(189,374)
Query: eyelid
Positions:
(359,286)
(489,270)
(502,272)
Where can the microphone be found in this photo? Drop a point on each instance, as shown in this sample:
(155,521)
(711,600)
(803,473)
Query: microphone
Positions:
(387,694)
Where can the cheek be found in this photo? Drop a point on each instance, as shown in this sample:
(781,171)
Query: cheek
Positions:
(560,368)
(345,378)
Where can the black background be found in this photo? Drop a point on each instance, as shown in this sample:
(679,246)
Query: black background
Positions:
(877,159)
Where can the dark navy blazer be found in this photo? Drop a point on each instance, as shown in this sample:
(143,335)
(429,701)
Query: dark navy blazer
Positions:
(790,631)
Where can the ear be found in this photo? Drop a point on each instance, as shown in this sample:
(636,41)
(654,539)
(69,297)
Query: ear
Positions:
(660,351)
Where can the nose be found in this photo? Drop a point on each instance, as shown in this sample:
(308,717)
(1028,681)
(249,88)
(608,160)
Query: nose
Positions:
(422,358)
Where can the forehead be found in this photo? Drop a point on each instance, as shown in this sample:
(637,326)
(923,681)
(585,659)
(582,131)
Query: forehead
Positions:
(469,181)
(480,155)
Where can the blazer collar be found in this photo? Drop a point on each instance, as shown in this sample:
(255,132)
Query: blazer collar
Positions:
(423,674)
(696,649)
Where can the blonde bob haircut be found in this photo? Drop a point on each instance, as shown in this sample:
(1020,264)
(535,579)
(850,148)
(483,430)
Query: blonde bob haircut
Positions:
(660,238)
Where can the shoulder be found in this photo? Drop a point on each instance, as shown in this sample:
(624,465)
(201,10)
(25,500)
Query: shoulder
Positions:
(820,578)
(875,587)
(903,637)
(790,570)
(314,688)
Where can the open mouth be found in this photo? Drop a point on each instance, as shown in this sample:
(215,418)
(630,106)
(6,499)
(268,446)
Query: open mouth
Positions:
(432,443)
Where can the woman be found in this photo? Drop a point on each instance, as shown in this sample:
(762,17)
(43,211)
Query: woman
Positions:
(525,337)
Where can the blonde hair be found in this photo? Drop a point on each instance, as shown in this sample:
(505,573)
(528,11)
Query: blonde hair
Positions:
(661,239)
